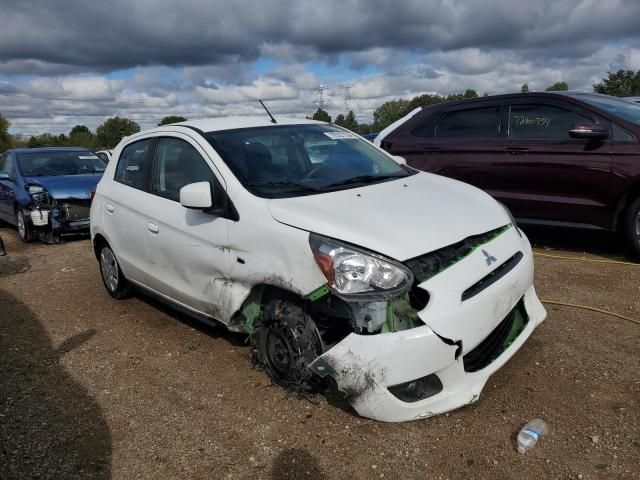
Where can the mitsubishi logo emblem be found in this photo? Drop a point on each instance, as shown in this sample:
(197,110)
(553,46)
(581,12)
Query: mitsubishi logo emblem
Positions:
(489,258)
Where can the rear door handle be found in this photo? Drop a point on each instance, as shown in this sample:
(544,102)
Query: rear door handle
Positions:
(517,150)
(430,149)
(110,208)
(152,227)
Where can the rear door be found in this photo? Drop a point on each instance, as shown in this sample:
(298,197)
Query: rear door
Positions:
(461,141)
(546,174)
(125,199)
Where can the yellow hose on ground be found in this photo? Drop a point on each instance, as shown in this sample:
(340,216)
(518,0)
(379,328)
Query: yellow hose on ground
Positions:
(586,307)
(593,309)
(595,260)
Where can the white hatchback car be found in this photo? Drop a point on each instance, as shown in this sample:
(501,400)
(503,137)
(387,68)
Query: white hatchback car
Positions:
(406,288)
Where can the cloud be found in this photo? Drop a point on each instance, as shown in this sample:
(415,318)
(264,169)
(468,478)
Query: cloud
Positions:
(64,62)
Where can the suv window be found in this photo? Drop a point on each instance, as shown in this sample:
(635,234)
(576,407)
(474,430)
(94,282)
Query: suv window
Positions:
(134,164)
(178,164)
(2,159)
(542,122)
(470,123)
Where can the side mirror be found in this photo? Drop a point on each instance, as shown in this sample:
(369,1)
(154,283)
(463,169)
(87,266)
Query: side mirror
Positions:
(196,196)
(4,176)
(399,159)
(589,131)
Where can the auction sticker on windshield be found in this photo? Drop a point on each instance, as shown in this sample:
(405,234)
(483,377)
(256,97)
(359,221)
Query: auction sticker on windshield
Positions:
(339,135)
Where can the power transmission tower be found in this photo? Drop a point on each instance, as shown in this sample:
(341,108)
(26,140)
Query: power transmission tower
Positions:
(321,100)
(346,88)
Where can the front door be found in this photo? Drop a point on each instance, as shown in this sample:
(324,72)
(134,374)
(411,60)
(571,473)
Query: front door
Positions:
(187,249)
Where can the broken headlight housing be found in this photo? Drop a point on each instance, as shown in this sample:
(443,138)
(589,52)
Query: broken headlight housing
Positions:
(354,272)
(39,196)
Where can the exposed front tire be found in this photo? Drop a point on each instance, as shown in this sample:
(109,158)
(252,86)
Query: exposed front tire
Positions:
(285,342)
(24,229)
(114,281)
(632,227)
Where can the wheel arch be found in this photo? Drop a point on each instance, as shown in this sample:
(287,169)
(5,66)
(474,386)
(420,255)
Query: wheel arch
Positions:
(624,203)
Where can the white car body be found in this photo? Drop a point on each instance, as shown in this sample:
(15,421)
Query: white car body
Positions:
(386,131)
(105,155)
(210,266)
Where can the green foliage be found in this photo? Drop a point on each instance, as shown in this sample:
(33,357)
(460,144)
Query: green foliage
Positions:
(469,93)
(558,87)
(81,136)
(6,141)
(623,83)
(169,119)
(349,122)
(525,88)
(110,133)
(389,112)
(322,116)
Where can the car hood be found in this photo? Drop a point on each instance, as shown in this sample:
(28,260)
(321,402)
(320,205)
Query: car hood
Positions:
(400,218)
(66,186)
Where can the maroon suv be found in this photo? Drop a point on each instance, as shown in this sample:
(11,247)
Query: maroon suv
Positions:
(570,159)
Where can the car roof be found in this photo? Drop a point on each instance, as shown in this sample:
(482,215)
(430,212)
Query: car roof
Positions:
(229,123)
(571,93)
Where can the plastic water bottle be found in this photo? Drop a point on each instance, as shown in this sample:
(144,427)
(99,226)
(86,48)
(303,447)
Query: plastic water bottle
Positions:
(530,433)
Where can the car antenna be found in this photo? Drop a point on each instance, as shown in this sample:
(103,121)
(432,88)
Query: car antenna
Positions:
(273,120)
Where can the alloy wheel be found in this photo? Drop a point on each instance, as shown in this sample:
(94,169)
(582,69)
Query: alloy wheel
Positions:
(109,269)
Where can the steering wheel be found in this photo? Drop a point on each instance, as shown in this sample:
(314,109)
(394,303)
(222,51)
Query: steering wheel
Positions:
(313,171)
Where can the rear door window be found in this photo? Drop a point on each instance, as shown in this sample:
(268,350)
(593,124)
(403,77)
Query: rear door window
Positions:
(469,123)
(542,122)
(134,164)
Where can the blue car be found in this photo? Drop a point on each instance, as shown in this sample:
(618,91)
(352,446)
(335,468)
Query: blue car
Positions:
(46,192)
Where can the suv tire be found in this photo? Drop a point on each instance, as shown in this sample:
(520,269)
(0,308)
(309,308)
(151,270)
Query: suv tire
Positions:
(632,227)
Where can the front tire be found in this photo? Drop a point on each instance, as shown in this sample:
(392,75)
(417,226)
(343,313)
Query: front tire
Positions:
(114,281)
(24,229)
(285,342)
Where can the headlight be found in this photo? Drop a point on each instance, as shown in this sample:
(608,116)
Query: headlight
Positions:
(351,271)
(513,220)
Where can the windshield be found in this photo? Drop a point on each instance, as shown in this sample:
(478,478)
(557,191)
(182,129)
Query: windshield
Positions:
(55,163)
(292,160)
(624,109)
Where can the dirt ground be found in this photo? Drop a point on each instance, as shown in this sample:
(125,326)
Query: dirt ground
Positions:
(91,387)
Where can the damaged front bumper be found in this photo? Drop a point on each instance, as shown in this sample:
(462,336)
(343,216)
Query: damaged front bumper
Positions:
(60,217)
(463,342)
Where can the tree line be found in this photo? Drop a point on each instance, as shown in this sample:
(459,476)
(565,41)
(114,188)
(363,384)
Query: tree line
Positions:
(106,136)
(622,83)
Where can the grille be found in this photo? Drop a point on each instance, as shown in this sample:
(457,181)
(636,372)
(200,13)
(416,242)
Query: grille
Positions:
(492,278)
(76,210)
(432,263)
(497,341)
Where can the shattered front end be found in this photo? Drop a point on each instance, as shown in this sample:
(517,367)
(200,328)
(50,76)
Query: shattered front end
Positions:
(50,217)
(430,348)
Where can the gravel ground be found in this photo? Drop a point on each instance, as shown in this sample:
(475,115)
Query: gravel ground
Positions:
(91,387)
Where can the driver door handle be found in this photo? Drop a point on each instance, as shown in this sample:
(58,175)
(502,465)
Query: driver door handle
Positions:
(110,208)
(152,227)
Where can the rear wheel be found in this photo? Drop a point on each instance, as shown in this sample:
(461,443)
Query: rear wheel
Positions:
(117,286)
(24,229)
(632,227)
(286,341)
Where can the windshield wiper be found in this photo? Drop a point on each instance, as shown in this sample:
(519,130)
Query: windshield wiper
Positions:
(363,179)
(283,183)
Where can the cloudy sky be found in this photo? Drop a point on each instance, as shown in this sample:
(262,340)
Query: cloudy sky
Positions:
(64,62)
